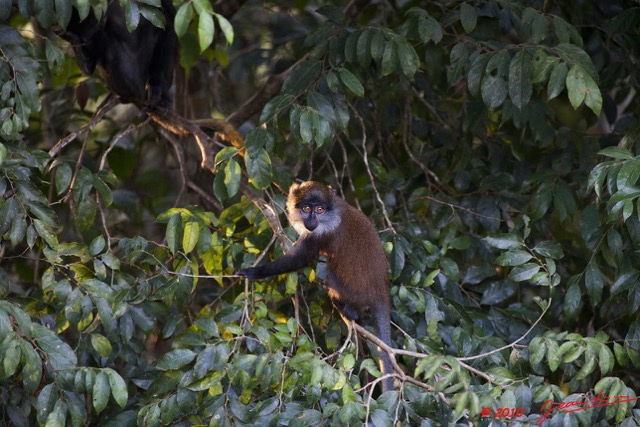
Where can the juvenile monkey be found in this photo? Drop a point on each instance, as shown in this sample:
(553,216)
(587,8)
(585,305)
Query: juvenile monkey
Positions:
(356,264)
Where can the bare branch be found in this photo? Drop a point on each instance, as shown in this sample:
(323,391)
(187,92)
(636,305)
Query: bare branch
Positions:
(109,102)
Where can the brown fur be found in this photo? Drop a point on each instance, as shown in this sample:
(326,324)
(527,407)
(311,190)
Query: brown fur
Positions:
(356,264)
(364,277)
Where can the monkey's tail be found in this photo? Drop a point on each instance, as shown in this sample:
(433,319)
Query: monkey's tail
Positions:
(382,321)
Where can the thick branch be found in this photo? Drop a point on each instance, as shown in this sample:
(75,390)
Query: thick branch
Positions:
(181,126)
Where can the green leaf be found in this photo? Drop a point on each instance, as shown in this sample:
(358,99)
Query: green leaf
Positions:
(505,241)
(553,355)
(32,368)
(278,105)
(103,190)
(86,213)
(388,58)
(97,245)
(303,76)
(621,354)
(616,152)
(44,12)
(606,360)
(5,12)
(183,19)
(549,249)
(363,50)
(542,66)
(538,24)
(206,30)
(110,261)
(524,272)
(494,91)
(259,169)
(322,105)
(594,282)
(190,237)
(514,257)
(46,232)
(628,175)
(378,41)
(468,17)
(101,344)
(587,369)
(351,82)
(132,16)
(59,354)
(476,73)
(520,71)
(429,29)
(173,232)
(11,359)
(576,86)
(176,359)
(100,392)
(42,212)
(232,177)
(203,6)
(153,15)
(570,351)
(225,154)
(408,58)
(624,282)
(306,126)
(18,230)
(64,174)
(226,27)
(380,418)
(3,153)
(593,98)
(56,418)
(537,350)
(45,402)
(8,211)
(557,80)
(332,81)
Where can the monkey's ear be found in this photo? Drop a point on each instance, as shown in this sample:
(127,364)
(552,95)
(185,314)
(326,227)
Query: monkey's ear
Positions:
(332,190)
(294,187)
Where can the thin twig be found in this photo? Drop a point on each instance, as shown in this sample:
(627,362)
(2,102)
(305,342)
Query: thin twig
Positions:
(513,344)
(108,103)
(365,158)
(129,129)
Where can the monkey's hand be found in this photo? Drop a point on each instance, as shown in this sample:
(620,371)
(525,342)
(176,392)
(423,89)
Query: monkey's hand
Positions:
(251,273)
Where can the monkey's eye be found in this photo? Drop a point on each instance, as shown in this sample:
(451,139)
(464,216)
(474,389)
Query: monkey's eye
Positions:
(306,209)
(319,209)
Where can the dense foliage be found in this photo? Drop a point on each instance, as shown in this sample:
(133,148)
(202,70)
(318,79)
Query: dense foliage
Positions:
(493,143)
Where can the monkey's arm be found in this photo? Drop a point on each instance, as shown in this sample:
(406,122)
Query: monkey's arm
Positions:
(302,253)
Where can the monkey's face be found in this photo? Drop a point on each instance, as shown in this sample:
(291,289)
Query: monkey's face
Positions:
(311,209)
(311,214)
(318,218)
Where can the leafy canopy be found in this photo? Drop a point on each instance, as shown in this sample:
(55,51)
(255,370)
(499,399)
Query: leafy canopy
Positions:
(494,144)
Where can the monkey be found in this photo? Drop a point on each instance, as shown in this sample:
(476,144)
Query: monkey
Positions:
(137,66)
(356,264)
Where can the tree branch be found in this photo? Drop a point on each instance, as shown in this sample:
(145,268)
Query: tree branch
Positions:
(109,102)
